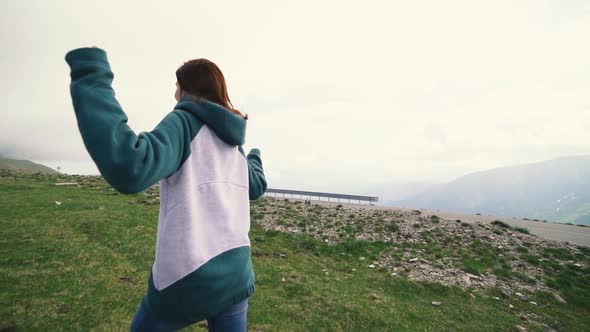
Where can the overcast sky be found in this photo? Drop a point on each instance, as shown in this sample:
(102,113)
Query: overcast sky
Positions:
(336,91)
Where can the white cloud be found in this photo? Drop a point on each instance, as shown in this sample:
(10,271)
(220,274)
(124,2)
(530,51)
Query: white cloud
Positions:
(336,91)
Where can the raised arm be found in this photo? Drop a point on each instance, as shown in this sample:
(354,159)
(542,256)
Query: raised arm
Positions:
(256,179)
(129,162)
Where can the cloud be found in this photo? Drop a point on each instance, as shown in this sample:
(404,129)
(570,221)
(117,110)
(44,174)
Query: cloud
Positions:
(336,91)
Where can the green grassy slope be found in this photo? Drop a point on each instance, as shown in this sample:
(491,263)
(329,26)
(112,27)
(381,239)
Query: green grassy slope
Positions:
(82,265)
(6,163)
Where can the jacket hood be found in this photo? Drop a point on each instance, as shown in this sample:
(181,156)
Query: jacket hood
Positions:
(228,126)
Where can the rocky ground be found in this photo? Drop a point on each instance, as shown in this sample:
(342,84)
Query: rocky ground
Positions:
(427,247)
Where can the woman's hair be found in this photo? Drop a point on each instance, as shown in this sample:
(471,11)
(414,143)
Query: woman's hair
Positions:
(204,79)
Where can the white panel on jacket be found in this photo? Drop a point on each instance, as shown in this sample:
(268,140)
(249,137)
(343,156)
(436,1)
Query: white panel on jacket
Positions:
(204,209)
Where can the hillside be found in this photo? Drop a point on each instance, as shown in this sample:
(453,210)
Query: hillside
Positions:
(14,164)
(556,190)
(77,258)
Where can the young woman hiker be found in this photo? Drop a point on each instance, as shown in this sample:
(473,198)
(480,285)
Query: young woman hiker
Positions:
(202,268)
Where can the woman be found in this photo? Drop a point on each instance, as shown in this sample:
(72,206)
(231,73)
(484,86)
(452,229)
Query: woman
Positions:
(202,269)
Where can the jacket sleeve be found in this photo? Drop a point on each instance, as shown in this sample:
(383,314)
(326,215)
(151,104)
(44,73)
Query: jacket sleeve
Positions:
(129,162)
(256,179)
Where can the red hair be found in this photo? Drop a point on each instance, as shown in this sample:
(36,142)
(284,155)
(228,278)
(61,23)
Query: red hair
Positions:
(204,79)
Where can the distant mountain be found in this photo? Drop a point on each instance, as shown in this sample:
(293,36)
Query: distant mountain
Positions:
(556,190)
(7,163)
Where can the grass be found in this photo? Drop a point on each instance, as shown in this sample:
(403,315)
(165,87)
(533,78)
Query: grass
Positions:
(479,259)
(559,253)
(83,266)
(502,224)
(522,230)
(569,280)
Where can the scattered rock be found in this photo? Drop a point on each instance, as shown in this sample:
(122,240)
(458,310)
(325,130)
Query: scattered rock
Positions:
(127,280)
(58,203)
(436,304)
(559,298)
(372,266)
(466,280)
(67,184)
(505,293)
(533,303)
(519,328)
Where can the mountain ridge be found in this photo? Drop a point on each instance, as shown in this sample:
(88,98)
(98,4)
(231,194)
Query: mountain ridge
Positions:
(27,165)
(557,189)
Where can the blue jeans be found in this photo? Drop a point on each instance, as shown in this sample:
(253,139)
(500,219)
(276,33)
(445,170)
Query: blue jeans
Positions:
(233,319)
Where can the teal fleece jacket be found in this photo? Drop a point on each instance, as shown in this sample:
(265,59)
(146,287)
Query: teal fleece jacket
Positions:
(129,162)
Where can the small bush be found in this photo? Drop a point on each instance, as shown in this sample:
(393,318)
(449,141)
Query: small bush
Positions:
(349,229)
(473,266)
(306,243)
(522,230)
(531,259)
(523,277)
(392,227)
(559,253)
(501,224)
(502,272)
